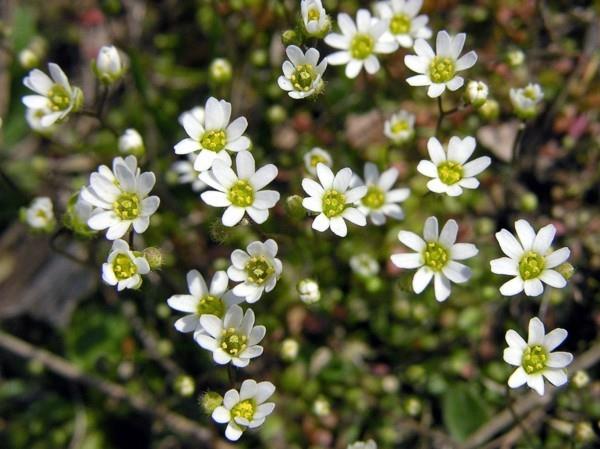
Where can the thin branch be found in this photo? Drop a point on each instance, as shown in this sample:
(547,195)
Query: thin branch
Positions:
(140,402)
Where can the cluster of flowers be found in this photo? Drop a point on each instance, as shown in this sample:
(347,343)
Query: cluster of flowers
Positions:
(118,199)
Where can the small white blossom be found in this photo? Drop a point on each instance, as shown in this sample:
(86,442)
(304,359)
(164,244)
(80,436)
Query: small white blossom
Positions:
(309,291)
(314,18)
(40,214)
(202,301)
(55,98)
(316,156)
(302,74)
(241,192)
(449,169)
(530,260)
(526,100)
(369,444)
(233,338)
(289,349)
(435,257)
(438,69)
(109,65)
(400,128)
(364,265)
(404,23)
(187,174)
(212,134)
(359,43)
(123,267)
(333,201)
(121,198)
(535,359)
(380,200)
(256,269)
(477,93)
(245,409)
(131,142)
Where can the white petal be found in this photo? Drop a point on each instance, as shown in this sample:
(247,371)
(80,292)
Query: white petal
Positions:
(455,83)
(466,61)
(183,303)
(412,240)
(312,188)
(435,90)
(427,168)
(325,176)
(544,238)
(505,265)
(215,199)
(419,80)
(442,287)
(553,279)
(232,216)
(462,251)
(457,272)
(514,340)
(533,287)
(509,244)
(557,257)
(221,415)
(476,166)
(263,176)
(512,287)
(536,332)
(407,260)
(342,179)
(518,378)
(536,381)
(430,230)
(554,339)
(353,68)
(421,279)
(339,58)
(513,356)
(436,151)
(559,359)
(416,63)
(338,226)
(422,48)
(320,223)
(448,233)
(557,377)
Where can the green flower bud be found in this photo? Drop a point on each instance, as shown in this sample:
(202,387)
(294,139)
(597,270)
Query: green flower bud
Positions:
(209,401)
(276,114)
(154,257)
(567,270)
(184,385)
(259,57)
(477,93)
(412,406)
(490,110)
(220,71)
(289,349)
(515,57)
(294,208)
(290,37)
(584,433)
(28,59)
(580,379)
(321,407)
(529,202)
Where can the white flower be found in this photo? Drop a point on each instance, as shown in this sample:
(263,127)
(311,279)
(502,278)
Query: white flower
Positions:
(309,291)
(364,265)
(449,169)
(233,338)
(477,93)
(55,96)
(196,113)
(530,260)
(245,409)
(526,100)
(109,65)
(380,200)
(435,257)
(359,43)
(302,74)
(123,268)
(314,18)
(332,200)
(202,301)
(187,174)
(121,198)
(438,70)
(535,359)
(404,24)
(240,192)
(131,142)
(369,444)
(212,134)
(315,156)
(40,214)
(400,128)
(257,269)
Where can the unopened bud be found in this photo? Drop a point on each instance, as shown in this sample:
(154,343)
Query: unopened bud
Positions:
(477,93)
(131,142)
(209,401)
(490,110)
(289,349)
(220,71)
(154,257)
(109,67)
(290,37)
(580,379)
(294,208)
(309,291)
(566,270)
(184,385)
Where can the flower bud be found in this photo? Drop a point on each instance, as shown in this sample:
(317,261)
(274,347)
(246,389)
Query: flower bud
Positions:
(294,208)
(77,215)
(529,202)
(477,93)
(39,216)
(109,66)
(289,349)
(154,257)
(220,71)
(321,407)
(490,110)
(131,143)
(309,291)
(290,37)
(526,101)
(515,57)
(28,59)
(276,114)
(580,379)
(584,432)
(209,401)
(184,385)
(566,270)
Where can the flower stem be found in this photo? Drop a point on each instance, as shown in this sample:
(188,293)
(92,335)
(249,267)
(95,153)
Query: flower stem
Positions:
(131,237)
(516,147)
(231,375)
(518,421)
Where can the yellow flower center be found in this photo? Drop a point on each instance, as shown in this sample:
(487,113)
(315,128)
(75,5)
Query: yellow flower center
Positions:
(400,24)
(534,359)
(210,305)
(244,409)
(435,256)
(531,265)
(400,126)
(316,159)
(450,172)
(375,198)
(304,76)
(361,46)
(313,14)
(232,342)
(241,194)
(334,203)
(214,140)
(127,206)
(59,98)
(258,269)
(442,69)
(123,267)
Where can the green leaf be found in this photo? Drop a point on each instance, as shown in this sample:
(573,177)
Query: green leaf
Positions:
(463,410)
